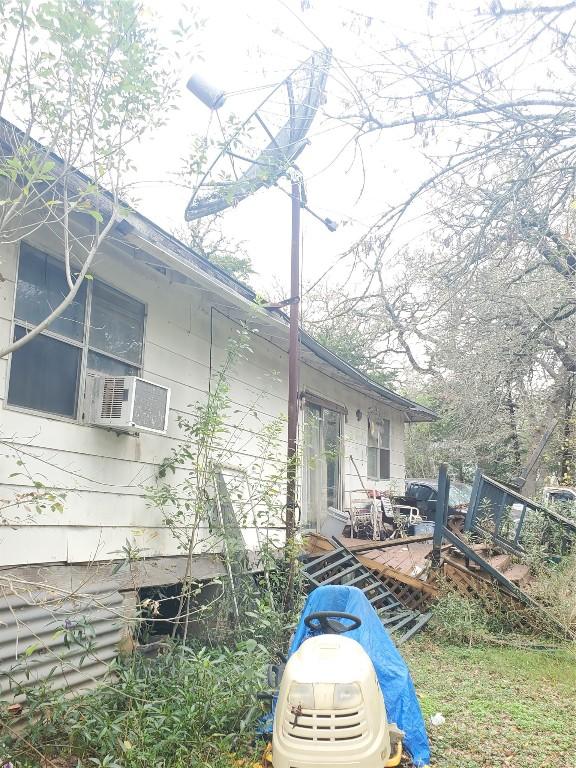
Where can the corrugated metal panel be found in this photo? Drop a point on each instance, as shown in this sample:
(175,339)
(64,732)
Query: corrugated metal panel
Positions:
(34,622)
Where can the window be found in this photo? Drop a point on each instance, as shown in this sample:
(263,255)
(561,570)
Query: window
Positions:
(561,496)
(102,330)
(420,492)
(379,450)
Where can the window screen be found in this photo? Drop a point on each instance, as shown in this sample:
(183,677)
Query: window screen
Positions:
(116,324)
(379,450)
(41,287)
(44,375)
(384,464)
(105,364)
(372,462)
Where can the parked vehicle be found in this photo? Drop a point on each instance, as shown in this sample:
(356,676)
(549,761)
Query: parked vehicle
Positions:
(555,494)
(423,494)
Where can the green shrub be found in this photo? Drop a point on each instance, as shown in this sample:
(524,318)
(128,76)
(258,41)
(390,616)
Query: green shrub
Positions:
(554,589)
(459,619)
(171,711)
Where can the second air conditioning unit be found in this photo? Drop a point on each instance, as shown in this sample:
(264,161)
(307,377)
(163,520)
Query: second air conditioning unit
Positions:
(126,403)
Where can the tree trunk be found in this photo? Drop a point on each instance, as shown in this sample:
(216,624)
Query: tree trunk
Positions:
(526,482)
(513,439)
(567,450)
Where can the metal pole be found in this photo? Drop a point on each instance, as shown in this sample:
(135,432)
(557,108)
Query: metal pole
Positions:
(293,362)
(441,516)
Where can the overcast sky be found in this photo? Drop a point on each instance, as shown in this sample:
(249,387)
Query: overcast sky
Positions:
(252,43)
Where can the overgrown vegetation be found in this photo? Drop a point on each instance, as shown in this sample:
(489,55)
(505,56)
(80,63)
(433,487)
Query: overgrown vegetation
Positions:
(506,697)
(459,620)
(224,476)
(506,707)
(491,616)
(194,705)
(188,706)
(554,588)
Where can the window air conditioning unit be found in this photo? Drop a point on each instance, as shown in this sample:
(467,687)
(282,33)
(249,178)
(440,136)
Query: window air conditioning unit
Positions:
(126,403)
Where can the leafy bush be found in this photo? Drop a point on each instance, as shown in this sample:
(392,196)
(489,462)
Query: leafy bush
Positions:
(183,708)
(554,588)
(264,614)
(459,619)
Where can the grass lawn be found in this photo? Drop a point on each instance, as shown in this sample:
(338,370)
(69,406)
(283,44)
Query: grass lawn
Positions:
(504,708)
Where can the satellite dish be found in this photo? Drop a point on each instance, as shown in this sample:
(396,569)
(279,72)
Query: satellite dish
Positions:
(265,146)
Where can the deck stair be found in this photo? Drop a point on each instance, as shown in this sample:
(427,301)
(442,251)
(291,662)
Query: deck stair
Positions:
(515,572)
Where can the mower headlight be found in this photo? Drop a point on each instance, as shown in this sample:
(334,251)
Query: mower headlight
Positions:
(301,695)
(347,696)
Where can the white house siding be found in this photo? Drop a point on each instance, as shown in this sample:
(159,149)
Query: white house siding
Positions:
(102,473)
(356,430)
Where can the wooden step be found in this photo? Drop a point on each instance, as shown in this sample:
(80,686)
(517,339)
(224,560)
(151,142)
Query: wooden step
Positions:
(500,562)
(519,574)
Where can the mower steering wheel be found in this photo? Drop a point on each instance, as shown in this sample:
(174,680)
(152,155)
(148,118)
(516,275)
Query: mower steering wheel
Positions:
(323,621)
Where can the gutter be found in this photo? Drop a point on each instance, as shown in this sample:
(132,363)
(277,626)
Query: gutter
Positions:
(336,362)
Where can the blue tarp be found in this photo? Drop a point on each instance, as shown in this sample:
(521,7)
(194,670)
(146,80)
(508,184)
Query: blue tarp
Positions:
(402,705)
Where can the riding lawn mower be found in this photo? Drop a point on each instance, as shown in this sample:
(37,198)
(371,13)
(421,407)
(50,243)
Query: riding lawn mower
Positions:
(344,698)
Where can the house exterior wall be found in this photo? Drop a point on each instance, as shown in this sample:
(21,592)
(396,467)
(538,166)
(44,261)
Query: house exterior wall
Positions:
(104,474)
(356,430)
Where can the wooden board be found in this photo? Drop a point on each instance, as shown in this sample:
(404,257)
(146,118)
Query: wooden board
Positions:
(385,570)
(403,556)
(412,592)
(153,571)
(319,542)
(410,559)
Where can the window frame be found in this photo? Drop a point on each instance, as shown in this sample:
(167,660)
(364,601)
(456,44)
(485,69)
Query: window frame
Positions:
(82,344)
(101,352)
(379,448)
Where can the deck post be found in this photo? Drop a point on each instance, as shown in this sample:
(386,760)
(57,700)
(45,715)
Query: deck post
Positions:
(441,514)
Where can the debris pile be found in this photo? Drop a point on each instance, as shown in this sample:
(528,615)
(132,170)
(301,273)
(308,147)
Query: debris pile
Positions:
(402,577)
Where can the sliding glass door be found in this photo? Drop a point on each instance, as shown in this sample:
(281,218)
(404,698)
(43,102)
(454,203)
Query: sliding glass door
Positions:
(322,470)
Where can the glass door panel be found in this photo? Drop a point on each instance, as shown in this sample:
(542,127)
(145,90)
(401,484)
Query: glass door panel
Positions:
(312,475)
(331,423)
(322,471)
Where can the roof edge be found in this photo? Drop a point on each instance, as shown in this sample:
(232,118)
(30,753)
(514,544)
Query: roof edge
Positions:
(146,228)
(415,411)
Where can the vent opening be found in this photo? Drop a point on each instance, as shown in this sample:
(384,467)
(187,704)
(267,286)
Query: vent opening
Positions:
(114,394)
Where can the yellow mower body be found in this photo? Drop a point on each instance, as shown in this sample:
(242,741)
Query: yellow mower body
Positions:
(330,711)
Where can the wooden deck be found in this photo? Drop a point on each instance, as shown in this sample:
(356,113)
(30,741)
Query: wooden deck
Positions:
(409,559)
(409,590)
(407,556)
(401,564)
